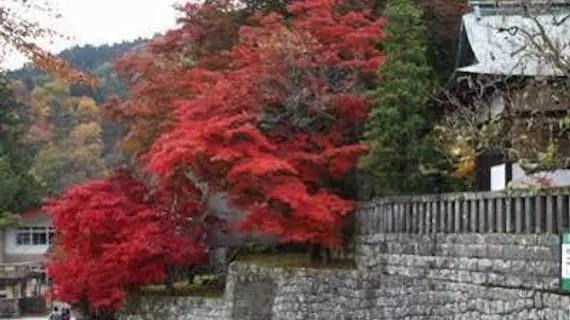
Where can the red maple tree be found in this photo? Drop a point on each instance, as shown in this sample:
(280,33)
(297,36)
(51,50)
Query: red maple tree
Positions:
(165,70)
(269,113)
(114,235)
(276,127)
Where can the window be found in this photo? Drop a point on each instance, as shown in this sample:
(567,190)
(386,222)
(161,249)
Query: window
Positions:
(23,236)
(35,236)
(39,235)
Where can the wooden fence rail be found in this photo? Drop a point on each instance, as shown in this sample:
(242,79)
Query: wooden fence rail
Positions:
(475,212)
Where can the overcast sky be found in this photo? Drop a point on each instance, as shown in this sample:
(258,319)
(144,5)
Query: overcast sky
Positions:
(105,21)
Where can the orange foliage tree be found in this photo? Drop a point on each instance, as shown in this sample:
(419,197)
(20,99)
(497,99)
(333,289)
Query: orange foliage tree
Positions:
(21,33)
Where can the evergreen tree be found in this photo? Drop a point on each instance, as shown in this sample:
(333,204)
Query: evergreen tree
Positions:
(399,121)
(19,192)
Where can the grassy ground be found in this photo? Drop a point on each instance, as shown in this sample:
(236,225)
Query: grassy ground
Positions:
(293,260)
(184,288)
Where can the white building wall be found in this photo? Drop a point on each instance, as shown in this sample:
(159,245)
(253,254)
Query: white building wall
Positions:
(10,245)
(558,178)
(498,177)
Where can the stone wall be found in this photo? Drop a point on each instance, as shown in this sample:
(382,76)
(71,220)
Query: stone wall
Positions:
(259,293)
(303,294)
(464,276)
(258,287)
(179,308)
(400,276)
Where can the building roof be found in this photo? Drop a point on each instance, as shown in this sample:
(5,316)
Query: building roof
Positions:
(499,49)
(34,213)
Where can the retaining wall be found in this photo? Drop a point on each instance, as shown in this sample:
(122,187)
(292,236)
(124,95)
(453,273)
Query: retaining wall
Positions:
(412,263)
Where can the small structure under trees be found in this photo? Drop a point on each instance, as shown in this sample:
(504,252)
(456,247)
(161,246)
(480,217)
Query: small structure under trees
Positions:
(505,111)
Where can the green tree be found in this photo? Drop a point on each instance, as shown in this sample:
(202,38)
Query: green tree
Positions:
(400,160)
(442,21)
(19,192)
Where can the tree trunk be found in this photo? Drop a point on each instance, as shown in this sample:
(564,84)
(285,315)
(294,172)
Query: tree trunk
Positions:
(318,253)
(191,275)
(168,281)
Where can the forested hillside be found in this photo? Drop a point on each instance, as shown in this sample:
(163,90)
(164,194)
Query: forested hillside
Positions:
(95,60)
(64,136)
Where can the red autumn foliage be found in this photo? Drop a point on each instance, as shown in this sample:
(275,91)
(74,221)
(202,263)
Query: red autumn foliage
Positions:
(164,72)
(269,113)
(113,235)
(275,128)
